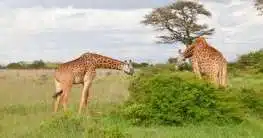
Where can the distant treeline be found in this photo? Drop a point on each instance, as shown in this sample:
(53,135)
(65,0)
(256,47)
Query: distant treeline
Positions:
(40,64)
(251,62)
(37,64)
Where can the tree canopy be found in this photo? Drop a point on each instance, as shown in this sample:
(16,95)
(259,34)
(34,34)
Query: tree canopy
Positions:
(178,21)
(259,6)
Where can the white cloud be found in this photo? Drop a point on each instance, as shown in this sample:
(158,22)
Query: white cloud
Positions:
(37,20)
(237,27)
(94,4)
(63,33)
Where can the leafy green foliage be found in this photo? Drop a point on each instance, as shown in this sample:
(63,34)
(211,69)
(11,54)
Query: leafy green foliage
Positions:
(161,96)
(15,66)
(250,63)
(71,126)
(180,20)
(37,64)
(253,100)
(140,65)
(259,6)
(181,67)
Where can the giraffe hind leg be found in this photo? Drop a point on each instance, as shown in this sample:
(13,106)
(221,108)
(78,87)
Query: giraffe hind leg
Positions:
(66,90)
(85,91)
(57,96)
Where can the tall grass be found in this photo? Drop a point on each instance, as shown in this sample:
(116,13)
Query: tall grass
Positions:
(26,110)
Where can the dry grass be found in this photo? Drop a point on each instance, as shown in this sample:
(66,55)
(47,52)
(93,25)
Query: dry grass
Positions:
(26,96)
(26,101)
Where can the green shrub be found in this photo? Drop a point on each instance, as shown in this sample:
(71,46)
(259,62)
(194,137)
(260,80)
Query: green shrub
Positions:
(161,96)
(15,66)
(140,65)
(65,125)
(252,99)
(68,125)
(250,63)
(185,66)
(37,64)
(100,131)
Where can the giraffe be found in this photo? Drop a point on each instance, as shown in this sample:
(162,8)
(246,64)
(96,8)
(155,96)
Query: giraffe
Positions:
(206,61)
(82,70)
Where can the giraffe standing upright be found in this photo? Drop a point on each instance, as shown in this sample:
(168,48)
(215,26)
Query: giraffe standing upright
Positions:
(207,61)
(82,71)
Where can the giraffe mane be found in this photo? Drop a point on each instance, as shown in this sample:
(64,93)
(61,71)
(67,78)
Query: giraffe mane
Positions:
(106,57)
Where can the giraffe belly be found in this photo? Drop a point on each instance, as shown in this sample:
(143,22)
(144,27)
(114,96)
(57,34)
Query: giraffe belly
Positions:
(207,68)
(78,79)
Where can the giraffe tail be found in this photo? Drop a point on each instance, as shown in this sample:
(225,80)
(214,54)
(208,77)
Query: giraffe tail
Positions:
(57,94)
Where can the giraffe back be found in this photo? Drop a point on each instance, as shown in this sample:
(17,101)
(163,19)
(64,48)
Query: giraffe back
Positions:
(89,62)
(74,70)
(208,60)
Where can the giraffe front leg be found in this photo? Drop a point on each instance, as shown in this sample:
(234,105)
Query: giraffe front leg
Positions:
(85,91)
(83,95)
(214,79)
(87,96)
(196,69)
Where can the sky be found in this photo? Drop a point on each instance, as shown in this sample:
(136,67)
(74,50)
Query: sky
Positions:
(61,30)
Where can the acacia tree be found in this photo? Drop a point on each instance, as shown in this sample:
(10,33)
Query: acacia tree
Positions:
(178,21)
(259,6)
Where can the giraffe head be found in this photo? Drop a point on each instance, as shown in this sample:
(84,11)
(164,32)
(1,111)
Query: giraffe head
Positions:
(199,42)
(187,53)
(128,67)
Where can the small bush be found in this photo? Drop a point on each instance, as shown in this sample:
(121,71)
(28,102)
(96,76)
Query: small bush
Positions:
(71,126)
(15,66)
(100,131)
(252,100)
(250,63)
(64,125)
(37,64)
(161,96)
(185,66)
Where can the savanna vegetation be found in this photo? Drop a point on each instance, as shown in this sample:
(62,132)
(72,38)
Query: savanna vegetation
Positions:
(158,101)
(40,64)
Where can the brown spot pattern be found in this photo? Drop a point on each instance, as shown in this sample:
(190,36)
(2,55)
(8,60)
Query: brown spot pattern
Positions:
(208,61)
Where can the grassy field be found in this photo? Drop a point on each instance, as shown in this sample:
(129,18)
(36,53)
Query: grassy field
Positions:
(26,110)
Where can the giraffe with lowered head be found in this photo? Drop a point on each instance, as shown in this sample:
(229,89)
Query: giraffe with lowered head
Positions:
(82,70)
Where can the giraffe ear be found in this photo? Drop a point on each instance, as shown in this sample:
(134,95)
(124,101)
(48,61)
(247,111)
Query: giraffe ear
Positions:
(130,61)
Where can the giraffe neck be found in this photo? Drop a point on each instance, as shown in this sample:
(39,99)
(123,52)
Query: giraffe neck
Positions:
(104,62)
(189,51)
